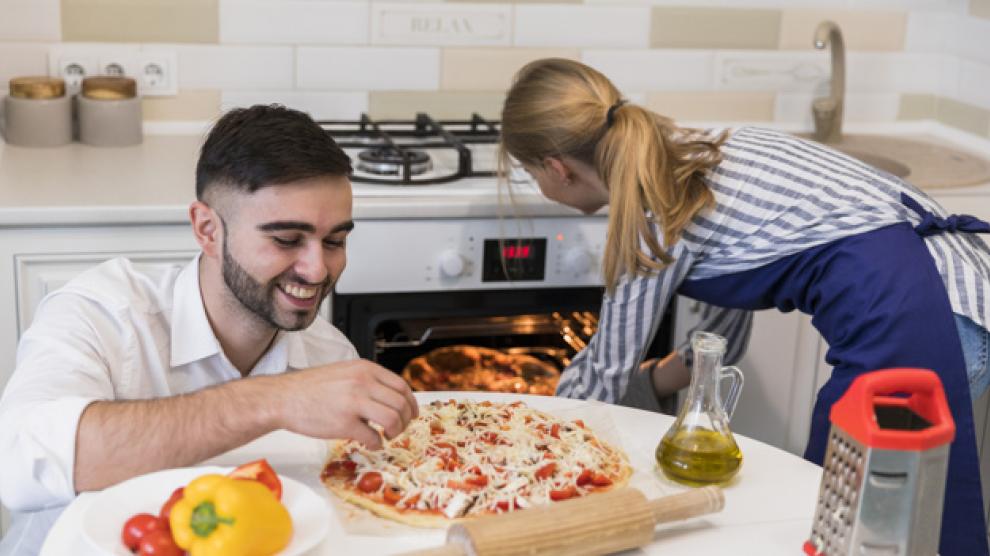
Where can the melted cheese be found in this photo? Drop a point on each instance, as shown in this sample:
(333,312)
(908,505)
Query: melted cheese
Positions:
(465,458)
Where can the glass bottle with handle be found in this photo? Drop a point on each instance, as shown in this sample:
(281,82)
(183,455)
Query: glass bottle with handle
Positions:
(699,449)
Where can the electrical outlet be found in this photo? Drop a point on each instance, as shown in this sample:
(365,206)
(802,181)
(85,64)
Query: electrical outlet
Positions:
(157,73)
(118,66)
(72,69)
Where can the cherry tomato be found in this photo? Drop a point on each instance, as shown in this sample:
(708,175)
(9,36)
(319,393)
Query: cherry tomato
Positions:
(585,477)
(137,527)
(600,480)
(569,491)
(555,430)
(167,506)
(343,469)
(370,482)
(545,471)
(392,494)
(477,480)
(262,472)
(159,543)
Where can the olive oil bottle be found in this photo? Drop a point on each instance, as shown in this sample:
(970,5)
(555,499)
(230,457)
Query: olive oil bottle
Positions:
(699,449)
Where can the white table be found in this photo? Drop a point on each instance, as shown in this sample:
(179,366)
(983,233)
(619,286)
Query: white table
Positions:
(769,505)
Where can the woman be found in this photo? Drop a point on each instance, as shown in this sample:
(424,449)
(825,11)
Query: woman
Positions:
(753,220)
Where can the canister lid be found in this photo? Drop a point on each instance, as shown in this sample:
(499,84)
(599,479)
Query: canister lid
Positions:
(37,87)
(109,88)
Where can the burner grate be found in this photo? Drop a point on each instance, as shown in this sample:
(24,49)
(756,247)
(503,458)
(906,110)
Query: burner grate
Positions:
(405,142)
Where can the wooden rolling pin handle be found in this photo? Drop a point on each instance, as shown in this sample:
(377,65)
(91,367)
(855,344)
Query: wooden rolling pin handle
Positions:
(455,549)
(606,523)
(687,504)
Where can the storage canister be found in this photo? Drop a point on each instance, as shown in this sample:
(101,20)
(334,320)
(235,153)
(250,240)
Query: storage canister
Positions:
(38,112)
(109,112)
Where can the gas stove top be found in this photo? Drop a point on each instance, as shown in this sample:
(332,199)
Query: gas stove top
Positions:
(423,156)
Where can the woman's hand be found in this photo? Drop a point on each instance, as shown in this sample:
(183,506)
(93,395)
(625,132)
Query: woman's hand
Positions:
(669,374)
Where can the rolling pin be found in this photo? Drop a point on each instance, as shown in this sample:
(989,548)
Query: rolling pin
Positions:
(600,524)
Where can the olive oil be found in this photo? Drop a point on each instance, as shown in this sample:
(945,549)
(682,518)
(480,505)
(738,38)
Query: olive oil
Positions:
(699,457)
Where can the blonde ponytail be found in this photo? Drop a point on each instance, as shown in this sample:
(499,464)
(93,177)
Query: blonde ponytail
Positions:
(559,107)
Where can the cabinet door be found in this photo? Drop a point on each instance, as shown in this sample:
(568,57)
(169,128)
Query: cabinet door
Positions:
(39,275)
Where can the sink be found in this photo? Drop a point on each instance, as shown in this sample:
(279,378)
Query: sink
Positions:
(924,164)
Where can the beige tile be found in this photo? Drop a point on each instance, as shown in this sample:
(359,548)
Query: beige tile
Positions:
(195,21)
(713,106)
(861,30)
(963,116)
(188,105)
(979,8)
(917,107)
(490,69)
(680,27)
(439,104)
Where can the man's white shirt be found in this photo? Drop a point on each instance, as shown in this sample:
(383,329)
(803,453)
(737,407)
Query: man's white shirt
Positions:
(118,332)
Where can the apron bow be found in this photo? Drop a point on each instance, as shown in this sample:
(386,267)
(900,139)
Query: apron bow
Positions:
(932,224)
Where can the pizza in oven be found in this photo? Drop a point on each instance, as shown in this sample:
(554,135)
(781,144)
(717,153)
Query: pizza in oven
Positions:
(462,459)
(481,369)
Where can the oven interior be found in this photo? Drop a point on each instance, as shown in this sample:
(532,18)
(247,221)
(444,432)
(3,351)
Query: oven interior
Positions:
(550,324)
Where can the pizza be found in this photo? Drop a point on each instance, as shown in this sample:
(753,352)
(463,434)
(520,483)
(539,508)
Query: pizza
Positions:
(475,368)
(462,459)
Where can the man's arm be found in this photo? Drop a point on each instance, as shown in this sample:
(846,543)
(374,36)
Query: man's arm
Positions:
(119,440)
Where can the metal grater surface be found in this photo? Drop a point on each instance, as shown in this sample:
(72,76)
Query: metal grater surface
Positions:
(838,497)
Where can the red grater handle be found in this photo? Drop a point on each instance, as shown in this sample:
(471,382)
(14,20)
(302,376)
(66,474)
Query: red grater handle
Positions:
(919,390)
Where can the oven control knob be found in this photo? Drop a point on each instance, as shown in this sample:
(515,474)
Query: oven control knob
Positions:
(577,261)
(451,264)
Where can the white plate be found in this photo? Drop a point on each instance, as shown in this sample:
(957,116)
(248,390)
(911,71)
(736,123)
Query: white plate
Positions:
(105,517)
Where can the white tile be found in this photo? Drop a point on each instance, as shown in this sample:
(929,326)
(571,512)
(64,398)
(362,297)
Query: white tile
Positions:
(293,22)
(321,105)
(970,39)
(927,32)
(30,20)
(893,72)
(234,67)
(22,59)
(441,24)
(582,26)
(758,70)
(654,70)
(367,69)
(948,79)
(974,83)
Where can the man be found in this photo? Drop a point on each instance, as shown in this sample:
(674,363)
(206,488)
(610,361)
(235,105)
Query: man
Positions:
(127,371)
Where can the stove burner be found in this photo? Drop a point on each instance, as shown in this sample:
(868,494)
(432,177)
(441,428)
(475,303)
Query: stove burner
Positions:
(387,161)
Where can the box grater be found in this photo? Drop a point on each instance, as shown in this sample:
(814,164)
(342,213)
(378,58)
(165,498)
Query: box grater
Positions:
(885,466)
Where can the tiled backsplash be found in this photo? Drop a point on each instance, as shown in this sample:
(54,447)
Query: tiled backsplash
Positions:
(728,60)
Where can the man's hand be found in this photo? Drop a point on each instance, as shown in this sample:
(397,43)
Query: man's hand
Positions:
(341,399)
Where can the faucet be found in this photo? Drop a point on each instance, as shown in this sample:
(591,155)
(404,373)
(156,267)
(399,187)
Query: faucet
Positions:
(828,110)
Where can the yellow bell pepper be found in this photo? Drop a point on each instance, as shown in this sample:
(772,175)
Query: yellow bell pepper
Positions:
(220,516)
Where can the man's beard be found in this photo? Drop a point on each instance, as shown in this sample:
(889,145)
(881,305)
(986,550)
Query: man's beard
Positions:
(259,298)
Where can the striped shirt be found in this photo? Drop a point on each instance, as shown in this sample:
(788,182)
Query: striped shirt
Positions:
(775,195)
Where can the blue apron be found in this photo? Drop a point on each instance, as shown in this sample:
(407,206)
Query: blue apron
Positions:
(878,300)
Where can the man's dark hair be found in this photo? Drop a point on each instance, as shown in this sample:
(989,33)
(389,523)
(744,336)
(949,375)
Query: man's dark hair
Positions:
(250,148)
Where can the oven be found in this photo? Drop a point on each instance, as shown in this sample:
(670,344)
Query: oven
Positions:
(512,297)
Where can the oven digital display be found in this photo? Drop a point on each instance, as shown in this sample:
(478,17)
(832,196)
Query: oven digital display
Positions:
(514,259)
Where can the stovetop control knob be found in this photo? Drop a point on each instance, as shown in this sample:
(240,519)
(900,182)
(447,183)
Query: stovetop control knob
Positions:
(577,261)
(451,264)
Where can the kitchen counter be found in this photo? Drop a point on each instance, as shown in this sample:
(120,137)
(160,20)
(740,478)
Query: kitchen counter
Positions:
(153,183)
(769,505)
